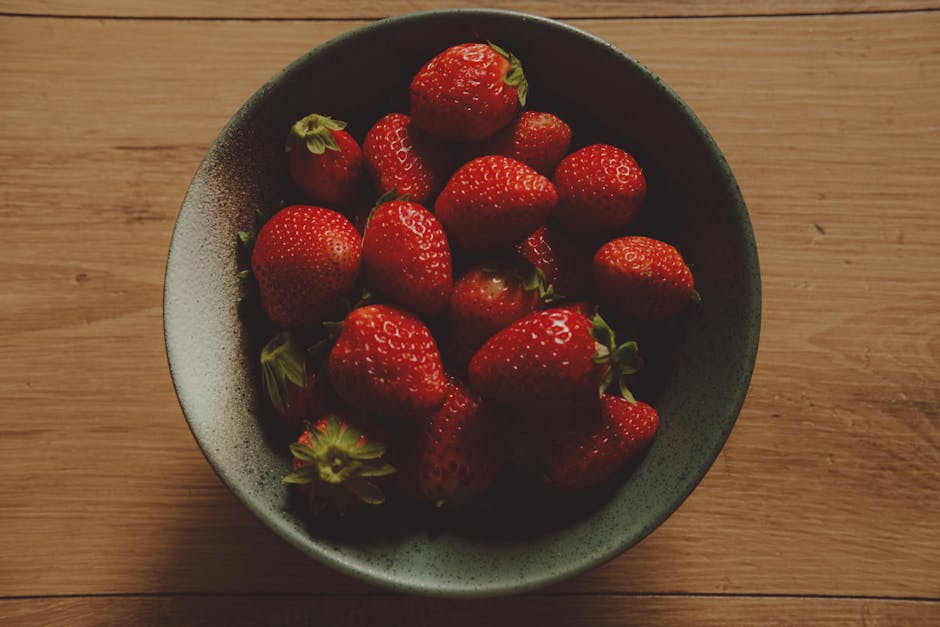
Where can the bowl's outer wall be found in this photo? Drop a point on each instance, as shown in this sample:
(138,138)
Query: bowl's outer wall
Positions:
(606,96)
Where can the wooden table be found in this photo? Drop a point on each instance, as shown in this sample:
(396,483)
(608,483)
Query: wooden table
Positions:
(824,506)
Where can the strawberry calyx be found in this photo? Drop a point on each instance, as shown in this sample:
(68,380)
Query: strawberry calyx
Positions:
(282,361)
(623,359)
(515,77)
(340,466)
(315,131)
(535,280)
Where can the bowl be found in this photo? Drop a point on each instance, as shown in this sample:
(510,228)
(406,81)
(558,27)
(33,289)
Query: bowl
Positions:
(518,542)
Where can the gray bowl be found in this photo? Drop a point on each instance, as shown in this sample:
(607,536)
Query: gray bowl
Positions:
(699,365)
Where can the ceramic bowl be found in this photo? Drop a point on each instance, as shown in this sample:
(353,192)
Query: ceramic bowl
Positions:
(700,366)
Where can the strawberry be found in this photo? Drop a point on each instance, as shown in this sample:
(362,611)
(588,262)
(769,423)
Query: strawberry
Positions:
(385,361)
(563,259)
(324,161)
(553,362)
(643,277)
(406,257)
(458,451)
(335,460)
(305,259)
(294,387)
(578,452)
(400,156)
(538,139)
(600,189)
(467,92)
(486,300)
(494,201)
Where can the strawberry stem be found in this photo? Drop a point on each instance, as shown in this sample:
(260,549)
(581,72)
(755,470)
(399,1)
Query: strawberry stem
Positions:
(315,132)
(622,359)
(282,362)
(535,279)
(515,77)
(339,466)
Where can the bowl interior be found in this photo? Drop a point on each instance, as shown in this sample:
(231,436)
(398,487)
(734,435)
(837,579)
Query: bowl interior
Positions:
(698,367)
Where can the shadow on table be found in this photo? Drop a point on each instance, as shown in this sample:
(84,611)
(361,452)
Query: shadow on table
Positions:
(225,567)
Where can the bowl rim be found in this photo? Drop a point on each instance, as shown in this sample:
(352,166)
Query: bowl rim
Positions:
(341,564)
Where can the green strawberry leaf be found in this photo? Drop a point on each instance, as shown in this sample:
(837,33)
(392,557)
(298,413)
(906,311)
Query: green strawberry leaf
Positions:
(367,492)
(303,452)
(380,469)
(604,337)
(625,392)
(246,238)
(372,450)
(315,132)
(515,77)
(282,362)
(304,474)
(349,439)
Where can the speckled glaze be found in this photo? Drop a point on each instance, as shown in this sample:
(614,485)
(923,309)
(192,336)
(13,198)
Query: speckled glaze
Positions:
(701,365)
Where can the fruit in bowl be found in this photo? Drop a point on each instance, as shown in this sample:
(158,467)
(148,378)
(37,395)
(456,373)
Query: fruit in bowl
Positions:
(532,225)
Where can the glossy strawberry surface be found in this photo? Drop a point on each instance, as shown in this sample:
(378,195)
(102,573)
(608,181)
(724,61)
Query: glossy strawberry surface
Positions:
(328,174)
(486,300)
(494,201)
(458,451)
(564,260)
(542,363)
(305,259)
(600,187)
(536,138)
(406,257)
(399,156)
(642,277)
(580,452)
(386,361)
(462,94)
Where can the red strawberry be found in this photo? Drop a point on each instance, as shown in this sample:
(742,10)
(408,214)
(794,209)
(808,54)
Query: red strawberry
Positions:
(406,257)
(458,451)
(324,161)
(579,452)
(291,382)
(400,156)
(305,259)
(486,300)
(553,362)
(468,92)
(539,140)
(336,460)
(385,361)
(494,201)
(643,277)
(564,260)
(600,189)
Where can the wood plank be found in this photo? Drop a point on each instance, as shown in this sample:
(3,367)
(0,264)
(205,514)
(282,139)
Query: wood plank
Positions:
(828,484)
(564,611)
(362,9)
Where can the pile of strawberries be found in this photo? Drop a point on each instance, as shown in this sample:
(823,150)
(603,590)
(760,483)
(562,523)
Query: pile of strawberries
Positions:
(450,332)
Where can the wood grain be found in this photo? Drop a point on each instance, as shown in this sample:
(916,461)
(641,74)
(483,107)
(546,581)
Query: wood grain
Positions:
(363,9)
(565,611)
(829,484)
